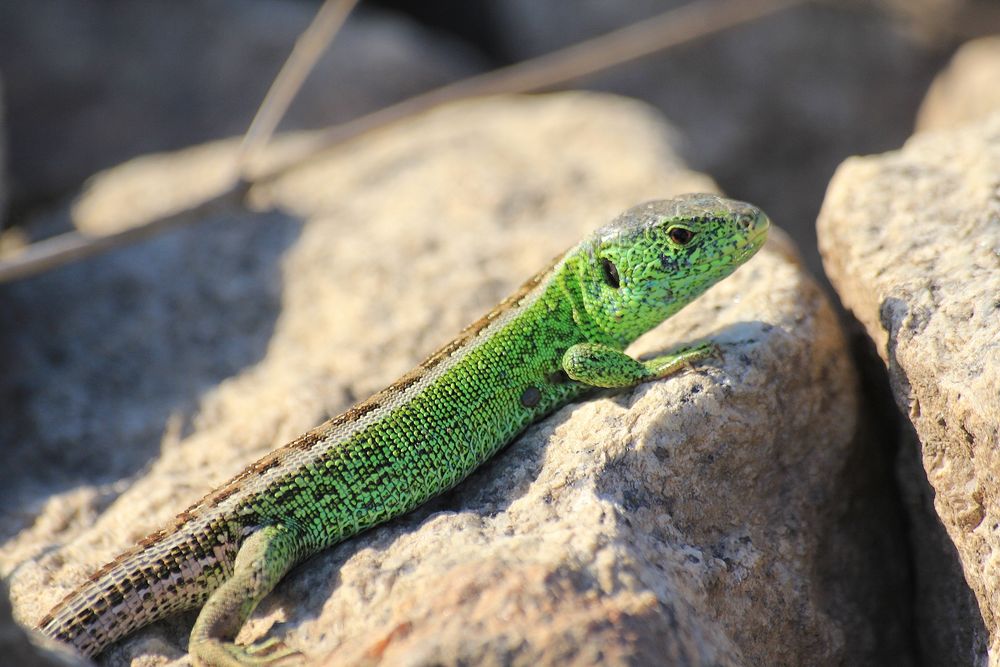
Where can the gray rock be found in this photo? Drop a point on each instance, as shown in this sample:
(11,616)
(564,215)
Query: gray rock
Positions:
(768,109)
(91,83)
(17,648)
(911,242)
(724,517)
(967,90)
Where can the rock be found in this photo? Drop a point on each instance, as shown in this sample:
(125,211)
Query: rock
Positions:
(769,109)
(726,516)
(967,90)
(96,83)
(911,242)
(17,649)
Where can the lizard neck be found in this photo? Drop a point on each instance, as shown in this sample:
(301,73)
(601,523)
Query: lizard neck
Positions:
(568,280)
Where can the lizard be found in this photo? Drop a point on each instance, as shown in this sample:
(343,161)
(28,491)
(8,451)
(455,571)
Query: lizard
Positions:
(558,337)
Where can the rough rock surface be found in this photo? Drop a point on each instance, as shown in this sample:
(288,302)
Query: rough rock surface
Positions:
(724,517)
(96,82)
(770,108)
(911,242)
(967,90)
(17,647)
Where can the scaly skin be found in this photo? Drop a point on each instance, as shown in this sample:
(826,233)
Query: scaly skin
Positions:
(558,337)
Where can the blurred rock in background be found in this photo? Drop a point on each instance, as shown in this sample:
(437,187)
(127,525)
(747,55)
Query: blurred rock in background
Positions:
(768,109)
(91,83)
(968,90)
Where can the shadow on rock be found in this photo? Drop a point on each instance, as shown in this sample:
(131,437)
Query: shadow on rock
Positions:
(101,358)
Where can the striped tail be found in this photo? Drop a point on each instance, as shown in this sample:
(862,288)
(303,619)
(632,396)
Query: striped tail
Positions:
(167,572)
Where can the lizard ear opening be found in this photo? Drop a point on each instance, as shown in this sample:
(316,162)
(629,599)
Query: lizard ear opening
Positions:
(610,273)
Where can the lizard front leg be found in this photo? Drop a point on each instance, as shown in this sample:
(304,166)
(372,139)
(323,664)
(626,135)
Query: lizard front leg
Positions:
(263,559)
(602,366)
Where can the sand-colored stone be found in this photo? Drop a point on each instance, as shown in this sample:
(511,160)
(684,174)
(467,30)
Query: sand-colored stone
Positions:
(718,518)
(967,90)
(911,241)
(18,647)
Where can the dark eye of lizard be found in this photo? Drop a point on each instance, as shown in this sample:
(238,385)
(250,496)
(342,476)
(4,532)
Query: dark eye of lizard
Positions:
(610,273)
(680,235)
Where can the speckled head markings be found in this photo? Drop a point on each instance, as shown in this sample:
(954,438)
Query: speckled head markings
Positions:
(557,337)
(659,256)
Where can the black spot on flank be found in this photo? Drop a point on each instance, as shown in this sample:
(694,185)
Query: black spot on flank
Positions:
(530,397)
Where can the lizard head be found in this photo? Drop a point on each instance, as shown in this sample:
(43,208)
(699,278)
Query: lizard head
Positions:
(656,258)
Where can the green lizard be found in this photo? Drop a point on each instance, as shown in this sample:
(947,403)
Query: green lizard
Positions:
(559,336)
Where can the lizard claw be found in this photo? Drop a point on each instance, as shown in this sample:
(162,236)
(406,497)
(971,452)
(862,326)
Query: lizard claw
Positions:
(226,654)
(271,650)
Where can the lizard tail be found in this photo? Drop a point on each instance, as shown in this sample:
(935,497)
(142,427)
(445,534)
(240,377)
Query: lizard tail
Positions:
(165,573)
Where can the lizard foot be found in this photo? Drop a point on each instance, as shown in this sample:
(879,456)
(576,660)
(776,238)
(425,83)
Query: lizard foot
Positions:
(214,653)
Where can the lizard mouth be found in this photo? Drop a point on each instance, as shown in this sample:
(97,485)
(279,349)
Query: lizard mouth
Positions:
(756,228)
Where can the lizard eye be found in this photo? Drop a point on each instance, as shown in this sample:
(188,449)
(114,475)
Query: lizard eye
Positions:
(610,273)
(680,235)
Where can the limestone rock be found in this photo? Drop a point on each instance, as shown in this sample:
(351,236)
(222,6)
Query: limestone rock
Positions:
(716,518)
(18,649)
(93,83)
(967,90)
(911,242)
